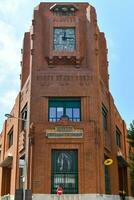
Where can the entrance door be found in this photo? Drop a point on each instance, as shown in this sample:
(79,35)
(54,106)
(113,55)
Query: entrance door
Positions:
(122,172)
(65,171)
(6,180)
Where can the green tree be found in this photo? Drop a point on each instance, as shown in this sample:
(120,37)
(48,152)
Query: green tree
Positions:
(131,134)
(130,137)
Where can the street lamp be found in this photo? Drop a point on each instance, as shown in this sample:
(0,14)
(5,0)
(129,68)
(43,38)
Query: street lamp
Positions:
(12,116)
(26,154)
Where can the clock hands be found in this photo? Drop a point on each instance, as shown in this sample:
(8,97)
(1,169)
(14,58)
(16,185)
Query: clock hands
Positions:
(65,37)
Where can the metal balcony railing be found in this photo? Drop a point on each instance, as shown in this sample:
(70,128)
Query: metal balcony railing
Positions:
(68,181)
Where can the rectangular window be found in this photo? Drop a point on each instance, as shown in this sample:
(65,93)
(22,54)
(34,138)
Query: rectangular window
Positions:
(10,138)
(60,107)
(107,178)
(24,118)
(118,137)
(104,117)
(65,171)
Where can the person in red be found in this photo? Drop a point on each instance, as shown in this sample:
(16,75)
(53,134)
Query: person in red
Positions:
(59,190)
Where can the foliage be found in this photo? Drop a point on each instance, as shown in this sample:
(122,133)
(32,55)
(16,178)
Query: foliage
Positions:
(131,134)
(130,137)
(131,157)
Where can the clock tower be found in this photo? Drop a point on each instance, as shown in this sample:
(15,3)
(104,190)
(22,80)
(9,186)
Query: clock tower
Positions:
(70,105)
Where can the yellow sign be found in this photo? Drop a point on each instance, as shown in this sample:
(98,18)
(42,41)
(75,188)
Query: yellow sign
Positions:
(108,161)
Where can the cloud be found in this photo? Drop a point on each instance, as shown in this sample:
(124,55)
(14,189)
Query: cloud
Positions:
(15,17)
(11,6)
(2,77)
(113,52)
(9,58)
(9,47)
(8,98)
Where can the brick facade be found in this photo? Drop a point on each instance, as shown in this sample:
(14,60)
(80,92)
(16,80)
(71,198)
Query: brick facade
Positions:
(83,74)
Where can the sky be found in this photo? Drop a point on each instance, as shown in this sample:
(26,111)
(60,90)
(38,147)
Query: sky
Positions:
(115,19)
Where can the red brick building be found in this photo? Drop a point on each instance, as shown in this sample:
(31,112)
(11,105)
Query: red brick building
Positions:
(64,123)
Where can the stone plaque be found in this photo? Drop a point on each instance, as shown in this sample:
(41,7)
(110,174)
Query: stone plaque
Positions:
(64,132)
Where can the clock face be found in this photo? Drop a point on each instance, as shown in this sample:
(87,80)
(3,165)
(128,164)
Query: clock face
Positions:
(64,39)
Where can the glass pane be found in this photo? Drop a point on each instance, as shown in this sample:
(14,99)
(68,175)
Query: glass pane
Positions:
(59,113)
(23,125)
(52,113)
(118,141)
(72,103)
(64,162)
(69,113)
(10,140)
(58,180)
(64,102)
(70,179)
(76,113)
